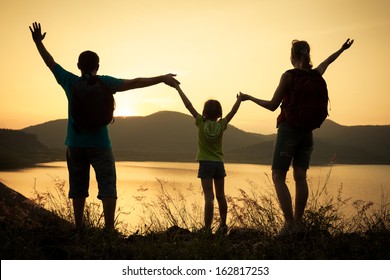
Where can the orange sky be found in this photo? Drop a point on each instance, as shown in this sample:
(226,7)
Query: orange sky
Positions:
(217,48)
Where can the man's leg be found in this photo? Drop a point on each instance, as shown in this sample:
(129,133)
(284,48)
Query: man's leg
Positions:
(284,196)
(78,209)
(103,162)
(301,193)
(109,205)
(78,167)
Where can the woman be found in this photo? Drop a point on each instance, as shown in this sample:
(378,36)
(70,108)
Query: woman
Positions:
(293,144)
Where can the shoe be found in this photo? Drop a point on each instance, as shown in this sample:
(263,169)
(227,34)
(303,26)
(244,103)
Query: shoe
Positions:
(287,230)
(204,231)
(222,230)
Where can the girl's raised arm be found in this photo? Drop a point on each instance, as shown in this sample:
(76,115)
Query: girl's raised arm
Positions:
(186,101)
(235,108)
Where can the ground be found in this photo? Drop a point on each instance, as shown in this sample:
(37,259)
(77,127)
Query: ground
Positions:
(28,231)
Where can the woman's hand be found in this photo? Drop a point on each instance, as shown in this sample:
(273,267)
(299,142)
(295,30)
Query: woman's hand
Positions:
(347,44)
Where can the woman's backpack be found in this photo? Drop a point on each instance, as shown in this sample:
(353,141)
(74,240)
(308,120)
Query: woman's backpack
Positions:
(92,104)
(306,107)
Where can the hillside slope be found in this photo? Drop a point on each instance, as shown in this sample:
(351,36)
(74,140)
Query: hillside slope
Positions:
(171,136)
(20,149)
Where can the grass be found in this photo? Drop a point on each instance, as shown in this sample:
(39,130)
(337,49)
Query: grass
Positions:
(170,227)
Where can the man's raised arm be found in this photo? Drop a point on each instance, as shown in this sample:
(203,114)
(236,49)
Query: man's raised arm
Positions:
(38,37)
(167,79)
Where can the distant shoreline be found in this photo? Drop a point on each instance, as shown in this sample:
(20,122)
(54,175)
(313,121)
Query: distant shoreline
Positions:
(39,164)
(168,136)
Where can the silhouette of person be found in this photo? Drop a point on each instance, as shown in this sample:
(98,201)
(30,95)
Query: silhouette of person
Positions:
(91,148)
(293,145)
(211,127)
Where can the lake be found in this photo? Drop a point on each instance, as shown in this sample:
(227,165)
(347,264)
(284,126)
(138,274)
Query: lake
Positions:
(139,183)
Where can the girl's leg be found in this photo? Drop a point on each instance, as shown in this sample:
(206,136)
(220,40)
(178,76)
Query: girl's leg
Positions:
(207,185)
(222,204)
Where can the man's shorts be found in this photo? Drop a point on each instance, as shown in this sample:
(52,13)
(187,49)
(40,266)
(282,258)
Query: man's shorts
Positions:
(292,145)
(211,169)
(102,160)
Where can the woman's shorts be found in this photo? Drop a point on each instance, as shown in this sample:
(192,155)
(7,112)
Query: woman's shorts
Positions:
(292,145)
(211,169)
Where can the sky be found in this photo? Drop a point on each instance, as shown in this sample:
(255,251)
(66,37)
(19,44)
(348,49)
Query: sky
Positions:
(217,49)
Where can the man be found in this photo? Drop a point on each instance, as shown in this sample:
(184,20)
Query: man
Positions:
(86,147)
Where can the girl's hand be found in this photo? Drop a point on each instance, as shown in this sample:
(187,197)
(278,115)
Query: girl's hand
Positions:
(244,96)
(169,79)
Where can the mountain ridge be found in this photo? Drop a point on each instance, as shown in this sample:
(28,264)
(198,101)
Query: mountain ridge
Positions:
(172,136)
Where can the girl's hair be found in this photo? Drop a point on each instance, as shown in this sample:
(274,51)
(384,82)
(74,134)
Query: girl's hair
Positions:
(300,50)
(88,61)
(212,110)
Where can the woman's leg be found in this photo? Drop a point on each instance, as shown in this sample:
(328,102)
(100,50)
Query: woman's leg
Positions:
(301,193)
(284,196)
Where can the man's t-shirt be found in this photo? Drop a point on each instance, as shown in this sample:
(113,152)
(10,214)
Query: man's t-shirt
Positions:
(210,135)
(83,138)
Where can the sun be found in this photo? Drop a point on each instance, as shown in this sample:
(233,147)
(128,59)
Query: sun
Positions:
(122,110)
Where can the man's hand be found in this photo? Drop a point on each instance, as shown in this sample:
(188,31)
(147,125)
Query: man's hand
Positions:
(347,44)
(36,32)
(38,37)
(244,97)
(169,80)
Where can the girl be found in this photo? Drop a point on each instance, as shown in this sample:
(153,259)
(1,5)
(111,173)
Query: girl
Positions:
(211,127)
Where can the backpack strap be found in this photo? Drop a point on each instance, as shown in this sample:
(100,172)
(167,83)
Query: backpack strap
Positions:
(287,98)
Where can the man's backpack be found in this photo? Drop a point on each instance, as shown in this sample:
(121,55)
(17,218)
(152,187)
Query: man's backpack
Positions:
(306,107)
(92,104)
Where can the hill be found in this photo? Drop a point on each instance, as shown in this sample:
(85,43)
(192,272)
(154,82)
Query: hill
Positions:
(344,144)
(20,149)
(353,144)
(163,136)
(171,136)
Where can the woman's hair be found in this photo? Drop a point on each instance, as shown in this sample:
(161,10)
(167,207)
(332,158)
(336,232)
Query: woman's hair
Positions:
(212,110)
(300,50)
(88,61)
